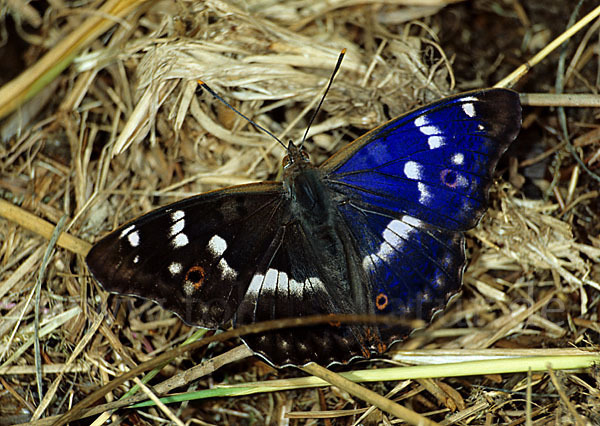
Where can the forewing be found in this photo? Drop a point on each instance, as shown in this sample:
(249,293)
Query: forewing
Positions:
(434,164)
(195,257)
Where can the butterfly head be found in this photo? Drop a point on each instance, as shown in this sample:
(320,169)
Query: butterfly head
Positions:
(296,157)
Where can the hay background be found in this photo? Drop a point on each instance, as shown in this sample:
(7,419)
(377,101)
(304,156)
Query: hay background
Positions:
(123,130)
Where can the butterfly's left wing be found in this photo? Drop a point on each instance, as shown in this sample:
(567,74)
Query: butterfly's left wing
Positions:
(408,189)
(195,257)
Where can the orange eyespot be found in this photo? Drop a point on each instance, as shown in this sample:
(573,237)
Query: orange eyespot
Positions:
(381,301)
(195,276)
(334,323)
(449,178)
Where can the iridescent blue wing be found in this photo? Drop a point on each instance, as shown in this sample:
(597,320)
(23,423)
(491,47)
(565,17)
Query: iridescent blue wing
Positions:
(408,189)
(412,268)
(435,163)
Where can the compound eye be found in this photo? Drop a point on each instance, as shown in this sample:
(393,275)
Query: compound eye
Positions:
(305,156)
(287,161)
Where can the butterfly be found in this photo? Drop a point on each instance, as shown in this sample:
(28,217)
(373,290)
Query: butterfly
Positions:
(377,229)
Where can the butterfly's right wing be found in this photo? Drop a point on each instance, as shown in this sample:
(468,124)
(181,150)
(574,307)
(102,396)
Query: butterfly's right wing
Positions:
(435,163)
(408,189)
(195,257)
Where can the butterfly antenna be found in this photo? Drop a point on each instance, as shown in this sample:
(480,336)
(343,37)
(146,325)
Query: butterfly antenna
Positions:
(258,126)
(335,70)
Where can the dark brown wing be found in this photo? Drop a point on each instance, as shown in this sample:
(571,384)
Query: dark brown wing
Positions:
(195,257)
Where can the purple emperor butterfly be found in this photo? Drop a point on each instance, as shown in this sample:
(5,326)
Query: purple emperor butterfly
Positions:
(377,229)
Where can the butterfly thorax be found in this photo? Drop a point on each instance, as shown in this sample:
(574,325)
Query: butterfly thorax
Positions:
(309,199)
(314,213)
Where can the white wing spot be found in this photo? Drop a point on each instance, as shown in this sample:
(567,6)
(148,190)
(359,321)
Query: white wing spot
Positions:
(175,268)
(177,227)
(458,159)
(386,250)
(283,285)
(227,272)
(396,231)
(177,215)
(425,195)
(370,262)
(255,286)
(217,246)
(461,180)
(438,281)
(189,288)
(271,279)
(469,109)
(126,231)
(435,142)
(412,170)
(429,130)
(296,288)
(421,121)
(134,238)
(447,260)
(316,284)
(394,235)
(136,259)
(181,240)
(415,223)
(480,127)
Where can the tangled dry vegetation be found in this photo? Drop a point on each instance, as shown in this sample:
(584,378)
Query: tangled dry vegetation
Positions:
(124,129)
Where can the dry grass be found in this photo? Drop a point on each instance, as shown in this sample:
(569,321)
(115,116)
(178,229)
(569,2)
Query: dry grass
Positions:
(122,130)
